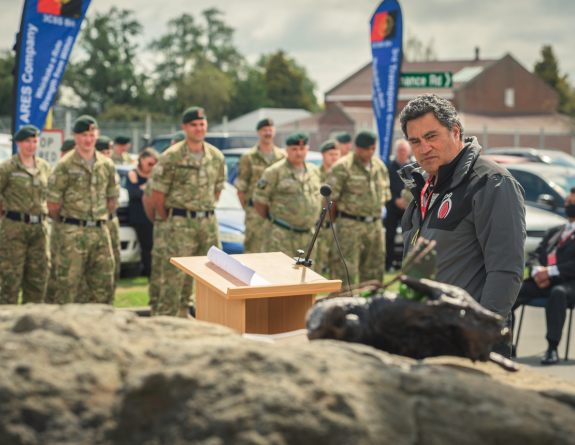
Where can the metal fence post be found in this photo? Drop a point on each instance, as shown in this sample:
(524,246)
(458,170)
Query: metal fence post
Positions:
(135,141)
(516,142)
(542,138)
(149,125)
(68,125)
(573,144)
(485,142)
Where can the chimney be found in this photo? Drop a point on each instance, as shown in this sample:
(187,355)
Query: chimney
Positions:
(476,53)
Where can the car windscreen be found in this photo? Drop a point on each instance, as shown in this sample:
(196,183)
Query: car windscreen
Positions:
(160,144)
(231,162)
(565,182)
(558,159)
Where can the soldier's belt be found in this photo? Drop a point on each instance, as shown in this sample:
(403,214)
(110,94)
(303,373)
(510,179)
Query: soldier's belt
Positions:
(286,225)
(367,219)
(25,218)
(84,223)
(190,213)
(112,215)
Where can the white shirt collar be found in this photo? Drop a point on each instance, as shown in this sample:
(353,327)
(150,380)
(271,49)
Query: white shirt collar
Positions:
(569,226)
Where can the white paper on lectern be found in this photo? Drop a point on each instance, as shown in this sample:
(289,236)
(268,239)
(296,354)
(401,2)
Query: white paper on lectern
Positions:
(235,268)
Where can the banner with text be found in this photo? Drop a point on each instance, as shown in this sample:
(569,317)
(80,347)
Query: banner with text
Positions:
(47,34)
(386,48)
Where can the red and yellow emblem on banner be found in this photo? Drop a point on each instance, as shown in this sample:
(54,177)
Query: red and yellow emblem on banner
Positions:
(383,26)
(64,8)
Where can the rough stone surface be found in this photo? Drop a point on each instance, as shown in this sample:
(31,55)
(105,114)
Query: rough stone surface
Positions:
(86,374)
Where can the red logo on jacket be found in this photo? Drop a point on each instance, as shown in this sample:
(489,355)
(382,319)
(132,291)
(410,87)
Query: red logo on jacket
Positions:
(445,206)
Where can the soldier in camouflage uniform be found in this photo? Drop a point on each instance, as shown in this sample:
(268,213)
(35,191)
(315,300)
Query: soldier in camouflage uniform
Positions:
(104,145)
(360,189)
(120,155)
(186,184)
(288,197)
(344,142)
(324,242)
(250,168)
(82,191)
(24,247)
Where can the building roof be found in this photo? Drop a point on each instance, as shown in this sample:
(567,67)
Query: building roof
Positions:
(248,122)
(358,86)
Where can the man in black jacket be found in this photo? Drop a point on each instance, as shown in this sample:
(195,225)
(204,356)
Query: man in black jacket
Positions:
(472,207)
(395,206)
(552,271)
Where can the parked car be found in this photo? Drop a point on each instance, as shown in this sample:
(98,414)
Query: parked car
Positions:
(546,156)
(546,186)
(5,146)
(229,213)
(505,159)
(223,141)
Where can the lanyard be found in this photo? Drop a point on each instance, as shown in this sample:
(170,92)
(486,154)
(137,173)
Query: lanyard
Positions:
(425,202)
(565,236)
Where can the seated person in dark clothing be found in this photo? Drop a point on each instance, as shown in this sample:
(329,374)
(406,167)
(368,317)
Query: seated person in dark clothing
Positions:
(396,206)
(552,271)
(136,183)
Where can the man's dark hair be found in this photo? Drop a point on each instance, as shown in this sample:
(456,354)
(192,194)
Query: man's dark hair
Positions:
(441,108)
(572,190)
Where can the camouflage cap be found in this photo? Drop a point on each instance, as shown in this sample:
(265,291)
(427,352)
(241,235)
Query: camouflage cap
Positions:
(297,139)
(122,139)
(85,123)
(267,122)
(179,136)
(27,131)
(103,143)
(193,113)
(327,145)
(343,137)
(365,139)
(69,144)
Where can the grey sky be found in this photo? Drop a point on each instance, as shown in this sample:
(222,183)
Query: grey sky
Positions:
(331,37)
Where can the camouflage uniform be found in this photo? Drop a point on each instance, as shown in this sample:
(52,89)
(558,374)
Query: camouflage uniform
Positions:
(292,201)
(85,250)
(324,242)
(360,193)
(190,187)
(114,229)
(250,168)
(24,260)
(123,159)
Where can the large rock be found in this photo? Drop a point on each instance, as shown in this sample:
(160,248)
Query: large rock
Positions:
(86,374)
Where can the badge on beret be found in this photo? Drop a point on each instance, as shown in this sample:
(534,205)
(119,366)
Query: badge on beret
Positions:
(200,112)
(262,184)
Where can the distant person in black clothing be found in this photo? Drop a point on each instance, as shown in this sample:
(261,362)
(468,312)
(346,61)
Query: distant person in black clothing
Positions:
(396,205)
(136,183)
(552,271)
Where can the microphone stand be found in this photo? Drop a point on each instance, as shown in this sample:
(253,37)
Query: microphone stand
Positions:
(307,262)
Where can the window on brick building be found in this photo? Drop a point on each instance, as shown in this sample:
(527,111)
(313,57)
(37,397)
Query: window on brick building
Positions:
(509,98)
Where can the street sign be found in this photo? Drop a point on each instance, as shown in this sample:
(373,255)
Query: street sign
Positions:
(49,146)
(427,80)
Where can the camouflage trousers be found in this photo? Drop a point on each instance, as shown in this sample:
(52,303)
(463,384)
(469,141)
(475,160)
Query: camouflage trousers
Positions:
(183,237)
(158,261)
(83,254)
(254,233)
(323,250)
(363,248)
(24,261)
(287,241)
(114,228)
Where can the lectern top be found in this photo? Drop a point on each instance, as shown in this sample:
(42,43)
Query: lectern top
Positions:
(280,270)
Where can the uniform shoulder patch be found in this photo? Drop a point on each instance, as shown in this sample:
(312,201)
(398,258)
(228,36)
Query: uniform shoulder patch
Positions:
(262,184)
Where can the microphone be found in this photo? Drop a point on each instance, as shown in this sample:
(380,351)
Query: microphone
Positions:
(325,191)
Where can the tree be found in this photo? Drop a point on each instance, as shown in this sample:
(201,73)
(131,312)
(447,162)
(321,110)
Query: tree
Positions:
(104,73)
(414,50)
(7,63)
(251,92)
(287,83)
(548,70)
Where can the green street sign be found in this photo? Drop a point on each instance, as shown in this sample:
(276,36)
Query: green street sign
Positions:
(426,80)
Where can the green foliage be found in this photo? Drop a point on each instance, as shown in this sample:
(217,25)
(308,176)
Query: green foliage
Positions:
(129,113)
(547,69)
(6,81)
(105,75)
(250,93)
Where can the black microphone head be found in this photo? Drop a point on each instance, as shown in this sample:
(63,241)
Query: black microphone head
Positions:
(325,190)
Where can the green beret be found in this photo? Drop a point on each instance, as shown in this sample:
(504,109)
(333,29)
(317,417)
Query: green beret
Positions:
(296,139)
(265,123)
(343,137)
(27,131)
(69,144)
(122,139)
(85,123)
(193,113)
(365,139)
(327,145)
(103,143)
(179,136)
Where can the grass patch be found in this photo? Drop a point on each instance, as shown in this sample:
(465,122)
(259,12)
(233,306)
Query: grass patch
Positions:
(132,292)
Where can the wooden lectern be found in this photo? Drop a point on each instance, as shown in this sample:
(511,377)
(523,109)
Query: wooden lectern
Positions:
(270,309)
